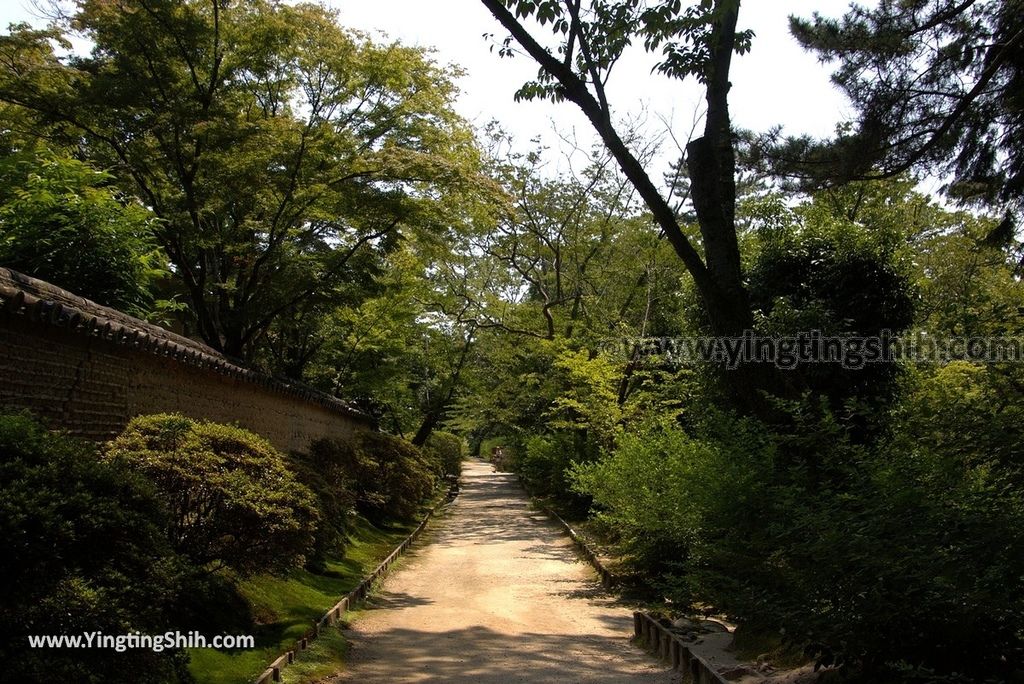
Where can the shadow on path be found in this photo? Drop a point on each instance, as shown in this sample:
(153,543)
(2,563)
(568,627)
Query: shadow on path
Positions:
(497,594)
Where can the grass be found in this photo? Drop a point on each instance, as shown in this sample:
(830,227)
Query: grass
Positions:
(285,607)
(322,659)
(326,655)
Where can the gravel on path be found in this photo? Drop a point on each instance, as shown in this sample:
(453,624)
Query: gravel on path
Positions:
(496,593)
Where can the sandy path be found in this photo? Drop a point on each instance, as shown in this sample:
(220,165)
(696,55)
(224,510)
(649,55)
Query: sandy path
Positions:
(495,594)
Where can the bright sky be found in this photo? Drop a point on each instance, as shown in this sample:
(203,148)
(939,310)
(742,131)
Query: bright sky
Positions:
(776,83)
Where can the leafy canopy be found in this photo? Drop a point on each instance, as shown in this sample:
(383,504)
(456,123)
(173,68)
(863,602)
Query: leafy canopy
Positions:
(62,221)
(282,154)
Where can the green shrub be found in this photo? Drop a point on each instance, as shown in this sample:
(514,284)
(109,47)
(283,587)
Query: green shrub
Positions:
(444,451)
(900,560)
(667,494)
(85,551)
(390,477)
(231,499)
(331,482)
(544,463)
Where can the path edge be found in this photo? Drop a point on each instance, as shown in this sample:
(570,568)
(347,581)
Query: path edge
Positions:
(351,599)
(608,578)
(649,633)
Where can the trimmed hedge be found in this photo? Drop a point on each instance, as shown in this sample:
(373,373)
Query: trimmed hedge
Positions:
(390,477)
(231,498)
(331,482)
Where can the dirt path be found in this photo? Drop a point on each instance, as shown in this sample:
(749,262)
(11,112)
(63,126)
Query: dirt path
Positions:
(495,594)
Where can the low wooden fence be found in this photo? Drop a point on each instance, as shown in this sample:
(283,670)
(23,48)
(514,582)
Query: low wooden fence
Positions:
(333,616)
(649,632)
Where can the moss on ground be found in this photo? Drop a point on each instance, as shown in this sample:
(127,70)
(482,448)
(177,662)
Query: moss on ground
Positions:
(285,607)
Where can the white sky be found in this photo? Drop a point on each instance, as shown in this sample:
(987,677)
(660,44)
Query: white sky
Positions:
(776,83)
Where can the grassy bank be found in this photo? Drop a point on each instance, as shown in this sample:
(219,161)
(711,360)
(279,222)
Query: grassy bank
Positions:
(326,656)
(284,607)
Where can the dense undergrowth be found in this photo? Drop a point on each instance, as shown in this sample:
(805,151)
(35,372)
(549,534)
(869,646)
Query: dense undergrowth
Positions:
(203,527)
(874,522)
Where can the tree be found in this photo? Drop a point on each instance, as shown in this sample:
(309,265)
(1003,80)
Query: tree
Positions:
(968,288)
(577,262)
(61,221)
(839,264)
(695,41)
(937,87)
(274,146)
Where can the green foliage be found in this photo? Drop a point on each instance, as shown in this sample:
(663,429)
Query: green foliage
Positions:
(332,485)
(544,463)
(838,265)
(853,553)
(889,546)
(231,499)
(589,400)
(400,354)
(86,551)
(445,451)
(63,222)
(668,494)
(390,477)
(968,287)
(284,155)
(681,32)
(576,266)
(935,86)
(283,607)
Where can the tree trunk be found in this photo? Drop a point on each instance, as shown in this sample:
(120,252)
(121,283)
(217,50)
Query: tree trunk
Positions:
(711,162)
(426,428)
(436,411)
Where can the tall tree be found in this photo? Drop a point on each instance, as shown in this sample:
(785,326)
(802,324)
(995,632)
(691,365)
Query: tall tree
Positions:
(578,261)
(274,146)
(938,87)
(696,41)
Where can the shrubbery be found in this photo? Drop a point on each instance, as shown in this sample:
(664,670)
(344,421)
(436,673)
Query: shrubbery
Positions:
(544,464)
(445,451)
(230,497)
(85,551)
(131,537)
(665,494)
(331,481)
(390,477)
(901,558)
